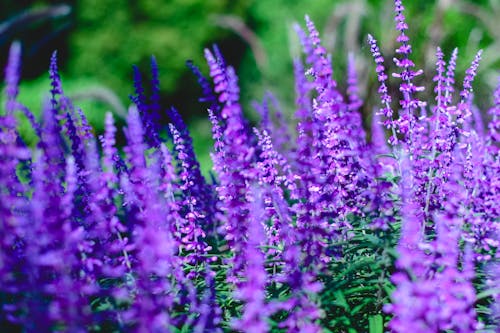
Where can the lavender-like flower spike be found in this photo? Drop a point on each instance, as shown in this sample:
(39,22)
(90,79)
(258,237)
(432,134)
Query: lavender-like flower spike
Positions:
(146,111)
(494,125)
(438,130)
(139,99)
(451,284)
(192,235)
(153,244)
(302,88)
(354,121)
(195,185)
(237,170)
(155,91)
(13,202)
(355,102)
(269,175)
(52,145)
(463,110)
(450,78)
(493,281)
(253,291)
(135,149)
(440,78)
(218,74)
(470,74)
(383,90)
(207,93)
(55,81)
(210,312)
(31,118)
(71,181)
(12,77)
(305,126)
(322,67)
(108,146)
(406,122)
(218,137)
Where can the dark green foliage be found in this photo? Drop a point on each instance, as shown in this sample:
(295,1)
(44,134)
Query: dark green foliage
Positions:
(110,36)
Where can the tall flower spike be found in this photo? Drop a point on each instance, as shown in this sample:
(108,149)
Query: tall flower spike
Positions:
(450,78)
(207,95)
(55,81)
(355,101)
(407,120)
(54,162)
(303,113)
(354,120)
(302,89)
(108,146)
(383,90)
(139,99)
(192,238)
(218,74)
(135,150)
(155,90)
(494,125)
(210,312)
(237,157)
(321,67)
(253,291)
(217,154)
(144,108)
(440,78)
(12,77)
(470,74)
(463,111)
(196,185)
(153,246)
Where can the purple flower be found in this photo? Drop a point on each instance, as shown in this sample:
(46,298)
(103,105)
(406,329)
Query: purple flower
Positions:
(383,90)
(210,313)
(252,291)
(355,102)
(12,73)
(237,156)
(192,236)
(208,95)
(406,124)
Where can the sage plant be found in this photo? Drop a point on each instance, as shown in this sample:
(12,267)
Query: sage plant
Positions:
(321,224)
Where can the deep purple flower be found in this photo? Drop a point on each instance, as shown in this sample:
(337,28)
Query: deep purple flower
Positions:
(149,110)
(208,95)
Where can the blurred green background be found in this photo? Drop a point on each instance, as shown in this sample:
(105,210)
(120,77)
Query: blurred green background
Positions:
(99,40)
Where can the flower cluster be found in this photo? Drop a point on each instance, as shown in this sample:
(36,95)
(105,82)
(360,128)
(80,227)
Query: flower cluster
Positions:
(296,231)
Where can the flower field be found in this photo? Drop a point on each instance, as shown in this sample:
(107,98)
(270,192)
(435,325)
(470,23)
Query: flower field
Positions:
(321,224)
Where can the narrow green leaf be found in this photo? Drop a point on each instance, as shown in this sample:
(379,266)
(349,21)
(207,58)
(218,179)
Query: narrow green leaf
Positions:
(376,324)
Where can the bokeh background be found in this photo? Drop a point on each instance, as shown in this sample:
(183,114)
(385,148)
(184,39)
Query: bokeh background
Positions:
(98,41)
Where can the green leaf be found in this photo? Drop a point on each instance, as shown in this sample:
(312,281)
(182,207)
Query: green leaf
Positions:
(376,324)
(488,293)
(340,300)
